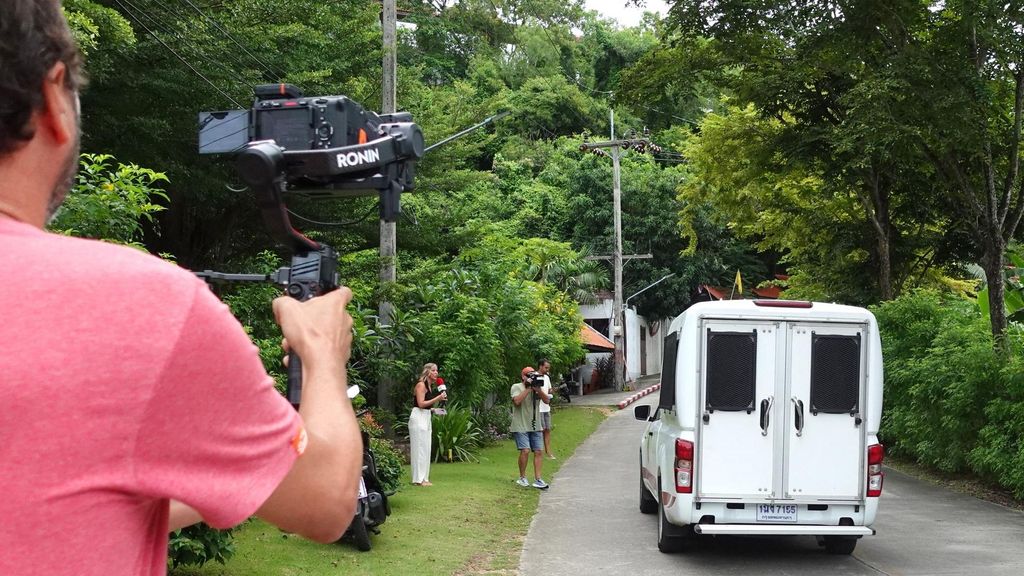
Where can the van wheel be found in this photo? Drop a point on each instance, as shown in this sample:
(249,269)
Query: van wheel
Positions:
(671,538)
(648,505)
(840,545)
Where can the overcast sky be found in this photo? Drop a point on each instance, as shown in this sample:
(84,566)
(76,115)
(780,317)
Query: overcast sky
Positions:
(626,16)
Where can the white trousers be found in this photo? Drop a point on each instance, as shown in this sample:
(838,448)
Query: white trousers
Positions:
(420,434)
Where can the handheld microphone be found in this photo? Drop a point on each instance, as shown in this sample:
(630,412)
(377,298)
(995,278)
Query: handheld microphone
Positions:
(441,387)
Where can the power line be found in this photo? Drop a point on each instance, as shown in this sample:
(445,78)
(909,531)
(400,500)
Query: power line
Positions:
(174,29)
(171,50)
(216,24)
(337,224)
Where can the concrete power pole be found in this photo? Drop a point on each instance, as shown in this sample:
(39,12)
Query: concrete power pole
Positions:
(388,235)
(618,320)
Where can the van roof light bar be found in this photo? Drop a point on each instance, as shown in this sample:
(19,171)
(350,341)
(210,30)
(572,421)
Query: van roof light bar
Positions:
(784,303)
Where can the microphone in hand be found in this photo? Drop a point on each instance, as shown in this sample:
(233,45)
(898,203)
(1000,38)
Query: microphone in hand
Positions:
(442,389)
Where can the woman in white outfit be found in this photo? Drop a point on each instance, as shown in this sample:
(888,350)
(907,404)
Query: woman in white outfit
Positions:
(425,396)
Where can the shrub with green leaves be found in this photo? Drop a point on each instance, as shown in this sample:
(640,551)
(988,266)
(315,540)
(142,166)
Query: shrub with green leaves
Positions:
(389,464)
(493,423)
(951,401)
(108,201)
(999,454)
(940,374)
(198,544)
(455,438)
(389,460)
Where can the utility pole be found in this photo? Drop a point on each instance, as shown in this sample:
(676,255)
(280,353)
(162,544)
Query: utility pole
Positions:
(618,324)
(388,234)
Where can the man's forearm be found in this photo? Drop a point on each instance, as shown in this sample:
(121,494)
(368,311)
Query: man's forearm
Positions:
(326,409)
(318,496)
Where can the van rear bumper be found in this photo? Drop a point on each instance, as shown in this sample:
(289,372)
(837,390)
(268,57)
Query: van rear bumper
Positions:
(782,530)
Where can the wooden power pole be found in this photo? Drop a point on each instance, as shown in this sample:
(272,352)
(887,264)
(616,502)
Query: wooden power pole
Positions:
(617,147)
(388,233)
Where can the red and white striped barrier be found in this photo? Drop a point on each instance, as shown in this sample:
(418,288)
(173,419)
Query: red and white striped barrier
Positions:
(639,395)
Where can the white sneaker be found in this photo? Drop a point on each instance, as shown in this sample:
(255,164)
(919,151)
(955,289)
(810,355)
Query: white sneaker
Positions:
(541,484)
(523,482)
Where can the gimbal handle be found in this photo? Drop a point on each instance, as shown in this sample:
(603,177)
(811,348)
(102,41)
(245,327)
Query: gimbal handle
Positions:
(314,268)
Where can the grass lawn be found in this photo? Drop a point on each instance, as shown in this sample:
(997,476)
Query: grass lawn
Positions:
(471,521)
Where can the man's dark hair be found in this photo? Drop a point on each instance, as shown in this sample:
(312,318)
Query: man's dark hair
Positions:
(542,361)
(33,37)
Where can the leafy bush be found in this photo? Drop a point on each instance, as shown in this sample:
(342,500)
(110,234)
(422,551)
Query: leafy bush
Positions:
(198,544)
(493,423)
(108,202)
(941,372)
(951,401)
(455,439)
(389,464)
(389,459)
(999,455)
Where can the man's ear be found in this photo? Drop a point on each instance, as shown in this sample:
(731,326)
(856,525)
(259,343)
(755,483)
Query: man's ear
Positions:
(57,116)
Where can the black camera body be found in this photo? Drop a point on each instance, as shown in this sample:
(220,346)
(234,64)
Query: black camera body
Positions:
(332,147)
(534,379)
(308,123)
(294,122)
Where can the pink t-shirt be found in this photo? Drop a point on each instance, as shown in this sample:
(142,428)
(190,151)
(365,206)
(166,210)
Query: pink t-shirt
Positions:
(123,383)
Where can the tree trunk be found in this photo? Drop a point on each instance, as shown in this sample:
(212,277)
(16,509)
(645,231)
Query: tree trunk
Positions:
(884,268)
(992,262)
(875,198)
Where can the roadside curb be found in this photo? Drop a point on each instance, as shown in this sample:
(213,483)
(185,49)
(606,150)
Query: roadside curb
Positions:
(638,396)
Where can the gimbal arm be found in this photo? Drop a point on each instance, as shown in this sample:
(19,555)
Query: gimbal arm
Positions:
(314,269)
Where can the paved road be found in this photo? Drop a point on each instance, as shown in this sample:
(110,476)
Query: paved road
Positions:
(588,523)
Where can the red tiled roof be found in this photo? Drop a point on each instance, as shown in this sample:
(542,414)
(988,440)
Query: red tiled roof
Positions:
(594,340)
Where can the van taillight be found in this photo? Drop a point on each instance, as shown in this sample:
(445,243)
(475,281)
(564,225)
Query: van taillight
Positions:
(876,453)
(684,466)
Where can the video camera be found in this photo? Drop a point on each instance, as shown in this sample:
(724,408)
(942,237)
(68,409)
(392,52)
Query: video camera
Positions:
(321,147)
(316,146)
(534,379)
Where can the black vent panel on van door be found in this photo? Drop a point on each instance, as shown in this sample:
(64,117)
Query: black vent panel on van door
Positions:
(835,374)
(732,370)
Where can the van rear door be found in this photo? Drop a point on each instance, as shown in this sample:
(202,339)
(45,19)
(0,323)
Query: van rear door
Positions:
(824,428)
(737,446)
(781,411)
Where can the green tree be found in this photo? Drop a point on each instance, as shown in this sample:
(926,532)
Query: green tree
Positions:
(110,202)
(837,116)
(146,113)
(977,50)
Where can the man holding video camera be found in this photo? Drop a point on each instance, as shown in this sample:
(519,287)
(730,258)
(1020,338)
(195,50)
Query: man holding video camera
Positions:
(527,396)
(132,401)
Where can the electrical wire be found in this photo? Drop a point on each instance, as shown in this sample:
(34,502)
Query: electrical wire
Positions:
(272,71)
(337,224)
(177,28)
(138,20)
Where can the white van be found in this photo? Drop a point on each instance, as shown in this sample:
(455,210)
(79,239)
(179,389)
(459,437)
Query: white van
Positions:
(767,424)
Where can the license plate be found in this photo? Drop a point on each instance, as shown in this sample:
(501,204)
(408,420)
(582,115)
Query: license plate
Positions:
(776,513)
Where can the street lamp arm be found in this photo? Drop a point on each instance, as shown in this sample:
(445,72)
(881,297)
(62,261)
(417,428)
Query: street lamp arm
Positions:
(648,287)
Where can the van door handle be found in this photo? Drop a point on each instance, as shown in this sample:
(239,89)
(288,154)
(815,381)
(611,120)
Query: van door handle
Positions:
(766,407)
(798,415)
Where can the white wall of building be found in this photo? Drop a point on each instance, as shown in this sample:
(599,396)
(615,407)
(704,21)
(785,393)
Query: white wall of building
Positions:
(635,326)
(601,310)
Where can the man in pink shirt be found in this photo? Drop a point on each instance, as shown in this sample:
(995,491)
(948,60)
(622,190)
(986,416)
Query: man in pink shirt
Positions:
(131,401)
